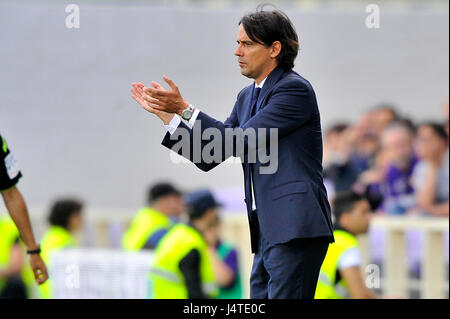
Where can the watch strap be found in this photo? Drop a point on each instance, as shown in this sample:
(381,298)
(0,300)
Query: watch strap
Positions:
(34,251)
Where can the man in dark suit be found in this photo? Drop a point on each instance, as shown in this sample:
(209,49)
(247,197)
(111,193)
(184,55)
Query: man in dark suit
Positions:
(288,209)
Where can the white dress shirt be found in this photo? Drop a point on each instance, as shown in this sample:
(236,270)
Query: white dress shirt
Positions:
(176,120)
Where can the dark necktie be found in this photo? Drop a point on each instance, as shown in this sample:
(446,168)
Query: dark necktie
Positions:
(255,96)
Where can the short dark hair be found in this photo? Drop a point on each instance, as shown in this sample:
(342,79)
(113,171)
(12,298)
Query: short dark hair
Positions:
(408,124)
(199,202)
(266,27)
(62,210)
(344,203)
(160,190)
(438,129)
(337,128)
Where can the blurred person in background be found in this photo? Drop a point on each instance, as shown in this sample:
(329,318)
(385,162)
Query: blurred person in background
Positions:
(398,194)
(367,134)
(12,261)
(383,115)
(224,254)
(365,142)
(431,174)
(332,143)
(338,165)
(165,204)
(17,208)
(371,182)
(183,263)
(341,274)
(66,220)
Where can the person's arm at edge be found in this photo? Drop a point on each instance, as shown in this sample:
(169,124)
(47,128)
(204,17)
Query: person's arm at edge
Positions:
(357,288)
(439,209)
(224,274)
(426,194)
(190,268)
(19,213)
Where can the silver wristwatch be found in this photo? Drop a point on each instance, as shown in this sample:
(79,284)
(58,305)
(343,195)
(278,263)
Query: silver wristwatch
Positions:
(187,112)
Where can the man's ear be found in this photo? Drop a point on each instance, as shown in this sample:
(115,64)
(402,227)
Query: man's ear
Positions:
(275,49)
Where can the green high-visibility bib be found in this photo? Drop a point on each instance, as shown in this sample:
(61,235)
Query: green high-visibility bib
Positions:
(327,287)
(166,279)
(144,225)
(56,238)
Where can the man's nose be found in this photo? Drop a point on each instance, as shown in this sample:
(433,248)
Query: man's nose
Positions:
(237,52)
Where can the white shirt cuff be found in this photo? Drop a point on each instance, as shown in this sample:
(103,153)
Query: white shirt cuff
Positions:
(176,120)
(193,118)
(173,125)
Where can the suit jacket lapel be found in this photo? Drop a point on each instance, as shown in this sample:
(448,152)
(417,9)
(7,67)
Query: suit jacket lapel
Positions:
(247,105)
(273,78)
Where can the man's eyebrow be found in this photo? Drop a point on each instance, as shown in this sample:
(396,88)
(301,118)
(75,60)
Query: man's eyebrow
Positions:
(244,41)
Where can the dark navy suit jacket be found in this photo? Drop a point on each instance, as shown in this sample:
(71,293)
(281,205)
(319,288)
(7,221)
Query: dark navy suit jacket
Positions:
(292,202)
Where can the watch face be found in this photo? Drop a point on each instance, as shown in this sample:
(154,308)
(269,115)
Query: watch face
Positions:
(187,113)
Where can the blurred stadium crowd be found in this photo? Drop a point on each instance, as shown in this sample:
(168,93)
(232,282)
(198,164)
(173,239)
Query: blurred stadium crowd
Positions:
(402,166)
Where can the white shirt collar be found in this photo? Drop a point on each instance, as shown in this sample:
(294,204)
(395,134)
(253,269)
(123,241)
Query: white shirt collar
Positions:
(261,84)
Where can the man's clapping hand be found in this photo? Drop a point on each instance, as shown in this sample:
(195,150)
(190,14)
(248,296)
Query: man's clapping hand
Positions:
(158,100)
(137,92)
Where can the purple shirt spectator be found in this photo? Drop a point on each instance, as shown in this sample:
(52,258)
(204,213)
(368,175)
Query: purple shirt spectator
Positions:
(398,192)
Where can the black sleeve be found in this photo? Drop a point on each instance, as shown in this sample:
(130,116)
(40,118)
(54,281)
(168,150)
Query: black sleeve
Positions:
(190,267)
(9,172)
